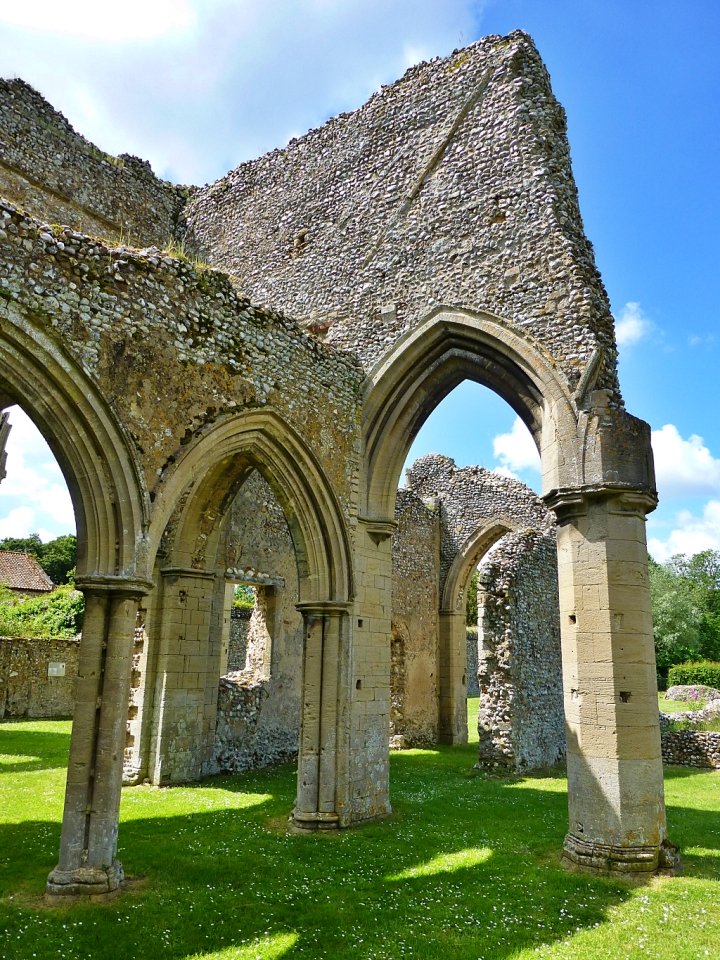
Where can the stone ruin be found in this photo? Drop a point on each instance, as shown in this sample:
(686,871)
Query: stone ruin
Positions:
(346,284)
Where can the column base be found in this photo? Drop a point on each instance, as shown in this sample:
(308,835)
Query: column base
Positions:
(84,881)
(607,858)
(315,821)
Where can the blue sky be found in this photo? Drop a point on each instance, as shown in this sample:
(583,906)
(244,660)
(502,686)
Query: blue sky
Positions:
(197,86)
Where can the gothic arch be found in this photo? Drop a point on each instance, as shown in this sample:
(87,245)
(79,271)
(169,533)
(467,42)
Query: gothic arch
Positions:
(451,345)
(202,484)
(469,555)
(108,495)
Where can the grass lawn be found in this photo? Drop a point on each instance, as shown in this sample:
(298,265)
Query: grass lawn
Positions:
(678,706)
(467,868)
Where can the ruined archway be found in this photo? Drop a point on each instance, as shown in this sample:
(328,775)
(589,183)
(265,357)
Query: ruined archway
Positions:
(597,476)
(193,507)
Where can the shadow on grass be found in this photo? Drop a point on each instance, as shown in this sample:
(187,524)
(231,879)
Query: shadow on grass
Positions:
(466,867)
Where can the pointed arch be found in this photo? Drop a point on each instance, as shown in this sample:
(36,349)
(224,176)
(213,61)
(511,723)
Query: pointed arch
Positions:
(105,484)
(451,345)
(197,492)
(469,555)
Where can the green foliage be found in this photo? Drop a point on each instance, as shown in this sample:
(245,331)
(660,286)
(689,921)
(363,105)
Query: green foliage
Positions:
(57,614)
(685,595)
(705,672)
(244,597)
(471,607)
(57,557)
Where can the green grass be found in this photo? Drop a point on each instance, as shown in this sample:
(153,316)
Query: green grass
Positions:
(467,868)
(678,706)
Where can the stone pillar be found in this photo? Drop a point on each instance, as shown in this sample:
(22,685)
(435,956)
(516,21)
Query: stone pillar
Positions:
(615,784)
(88,844)
(190,655)
(323,767)
(452,671)
(370,683)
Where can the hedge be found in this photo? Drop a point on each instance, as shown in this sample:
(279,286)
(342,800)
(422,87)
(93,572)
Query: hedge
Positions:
(705,672)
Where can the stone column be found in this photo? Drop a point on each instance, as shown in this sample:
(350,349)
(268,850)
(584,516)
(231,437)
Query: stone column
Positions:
(190,655)
(323,762)
(88,844)
(452,671)
(615,785)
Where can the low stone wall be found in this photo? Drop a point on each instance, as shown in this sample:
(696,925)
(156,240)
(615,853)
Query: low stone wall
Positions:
(691,748)
(242,741)
(37,677)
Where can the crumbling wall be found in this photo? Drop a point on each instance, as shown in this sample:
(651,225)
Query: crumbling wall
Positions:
(414,626)
(451,186)
(37,677)
(471,498)
(174,349)
(521,720)
(259,705)
(60,177)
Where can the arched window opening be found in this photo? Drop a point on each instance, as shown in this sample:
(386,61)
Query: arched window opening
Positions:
(467,532)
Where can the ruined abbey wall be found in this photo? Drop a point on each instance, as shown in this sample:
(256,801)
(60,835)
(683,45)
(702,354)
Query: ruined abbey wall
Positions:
(259,701)
(521,723)
(414,664)
(37,677)
(48,168)
(451,186)
(131,318)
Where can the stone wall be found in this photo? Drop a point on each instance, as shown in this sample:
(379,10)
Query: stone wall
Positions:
(472,498)
(451,186)
(415,605)
(521,720)
(27,688)
(691,748)
(238,638)
(174,349)
(258,719)
(59,176)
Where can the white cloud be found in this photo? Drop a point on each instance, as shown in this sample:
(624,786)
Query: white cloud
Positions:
(137,20)
(210,84)
(516,450)
(691,535)
(632,325)
(33,497)
(684,467)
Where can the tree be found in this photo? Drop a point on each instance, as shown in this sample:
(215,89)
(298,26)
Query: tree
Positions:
(685,594)
(676,615)
(32,544)
(59,557)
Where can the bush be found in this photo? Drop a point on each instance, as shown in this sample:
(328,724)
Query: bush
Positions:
(58,614)
(704,672)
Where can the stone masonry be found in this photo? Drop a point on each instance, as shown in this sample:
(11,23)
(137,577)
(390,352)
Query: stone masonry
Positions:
(431,236)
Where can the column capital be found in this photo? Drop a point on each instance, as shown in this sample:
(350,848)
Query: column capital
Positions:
(322,608)
(571,502)
(378,528)
(133,587)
